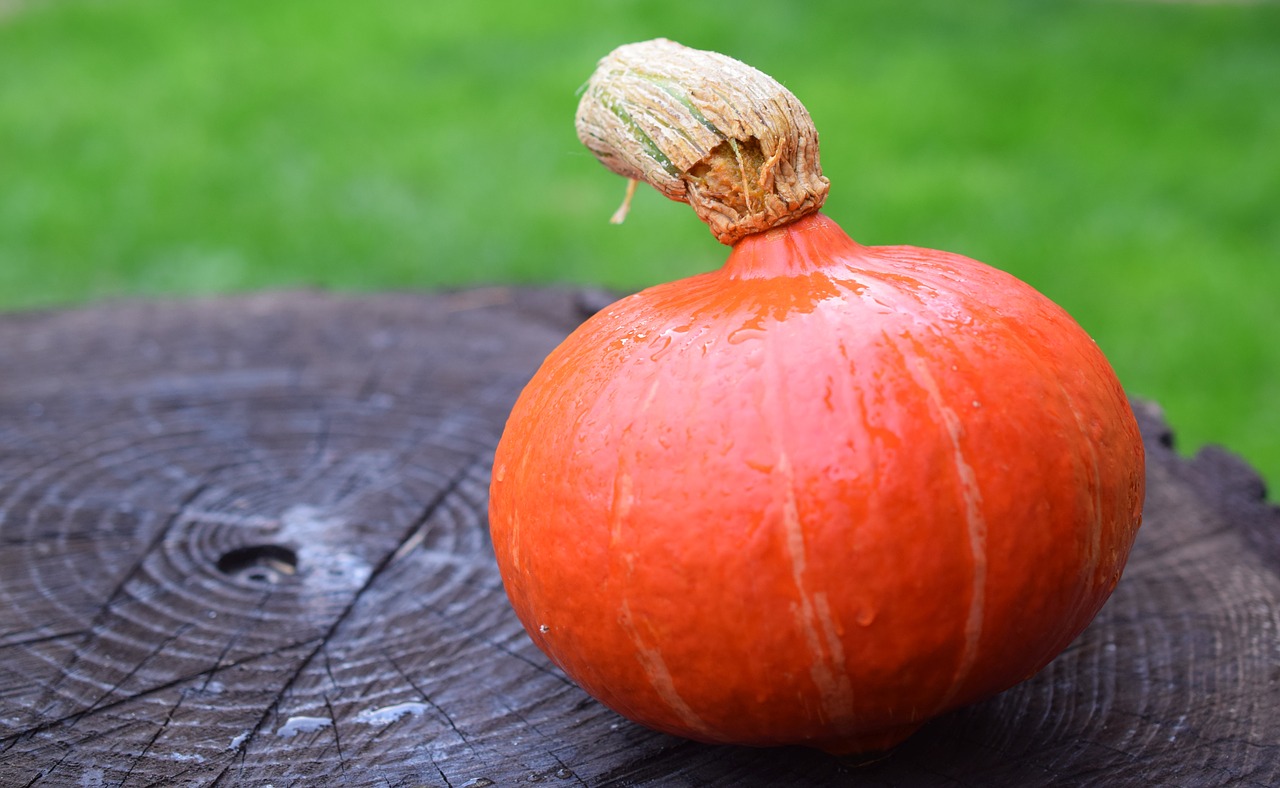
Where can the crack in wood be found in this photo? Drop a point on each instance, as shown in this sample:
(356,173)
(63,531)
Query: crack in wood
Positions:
(453,726)
(73,718)
(443,776)
(234,637)
(565,768)
(133,670)
(118,591)
(328,671)
(154,736)
(272,708)
(35,641)
(542,667)
(337,735)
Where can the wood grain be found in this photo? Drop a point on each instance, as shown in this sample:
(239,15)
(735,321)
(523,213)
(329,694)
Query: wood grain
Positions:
(242,541)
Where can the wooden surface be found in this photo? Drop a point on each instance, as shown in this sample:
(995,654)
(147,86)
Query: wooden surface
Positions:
(243,543)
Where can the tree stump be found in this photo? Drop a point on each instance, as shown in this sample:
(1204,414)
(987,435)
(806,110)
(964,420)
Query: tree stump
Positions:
(244,543)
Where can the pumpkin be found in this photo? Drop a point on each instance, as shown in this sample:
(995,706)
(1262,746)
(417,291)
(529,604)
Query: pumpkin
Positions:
(823,494)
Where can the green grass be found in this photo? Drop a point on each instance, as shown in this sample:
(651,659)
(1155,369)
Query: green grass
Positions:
(1123,157)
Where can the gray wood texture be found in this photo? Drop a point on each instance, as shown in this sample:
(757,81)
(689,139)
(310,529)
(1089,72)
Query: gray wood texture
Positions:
(243,542)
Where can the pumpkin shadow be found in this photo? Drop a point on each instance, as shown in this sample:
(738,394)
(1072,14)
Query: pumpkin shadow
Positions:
(1015,738)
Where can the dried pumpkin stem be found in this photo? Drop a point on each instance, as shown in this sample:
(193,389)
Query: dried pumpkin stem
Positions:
(620,215)
(704,129)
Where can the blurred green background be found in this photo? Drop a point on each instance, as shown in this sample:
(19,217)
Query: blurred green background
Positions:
(1122,157)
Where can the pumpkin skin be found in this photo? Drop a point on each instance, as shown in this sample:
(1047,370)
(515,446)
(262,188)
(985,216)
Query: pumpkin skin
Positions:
(816,497)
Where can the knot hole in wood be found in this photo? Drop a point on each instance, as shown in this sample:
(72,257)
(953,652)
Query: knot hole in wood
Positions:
(268,564)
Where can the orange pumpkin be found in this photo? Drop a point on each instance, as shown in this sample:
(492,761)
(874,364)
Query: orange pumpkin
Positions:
(818,496)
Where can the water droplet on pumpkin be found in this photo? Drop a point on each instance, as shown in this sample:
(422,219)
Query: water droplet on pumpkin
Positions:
(500,473)
(866,616)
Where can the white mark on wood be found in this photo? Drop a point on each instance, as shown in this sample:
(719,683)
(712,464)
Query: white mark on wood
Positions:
(319,539)
(231,519)
(238,741)
(295,725)
(389,714)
